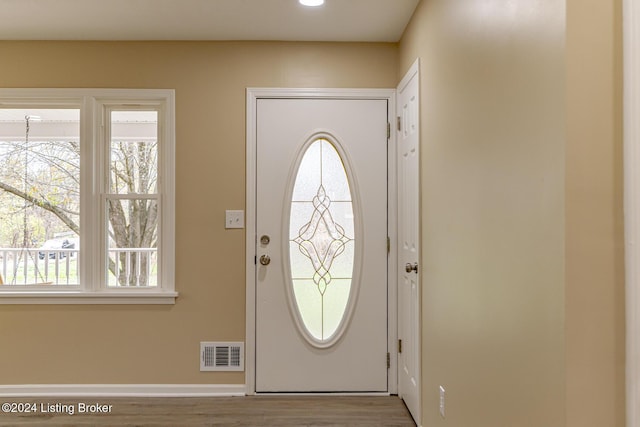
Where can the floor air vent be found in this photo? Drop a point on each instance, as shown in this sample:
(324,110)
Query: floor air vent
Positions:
(222,356)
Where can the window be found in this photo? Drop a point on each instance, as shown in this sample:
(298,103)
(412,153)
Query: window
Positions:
(86,196)
(322,241)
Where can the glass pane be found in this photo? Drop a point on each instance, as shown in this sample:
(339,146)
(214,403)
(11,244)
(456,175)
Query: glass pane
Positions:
(134,152)
(321,240)
(335,304)
(308,179)
(334,175)
(309,306)
(39,196)
(133,242)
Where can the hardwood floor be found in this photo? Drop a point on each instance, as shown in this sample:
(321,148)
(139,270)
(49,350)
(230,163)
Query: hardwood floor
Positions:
(219,411)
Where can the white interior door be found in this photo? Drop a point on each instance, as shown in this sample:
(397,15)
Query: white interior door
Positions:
(321,245)
(409,241)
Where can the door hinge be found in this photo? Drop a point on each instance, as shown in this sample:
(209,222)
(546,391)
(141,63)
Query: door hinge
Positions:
(388,360)
(388,245)
(399,346)
(388,130)
(399,124)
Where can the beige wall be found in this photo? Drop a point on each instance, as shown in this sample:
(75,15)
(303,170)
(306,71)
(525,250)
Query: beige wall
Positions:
(152,344)
(492,165)
(523,308)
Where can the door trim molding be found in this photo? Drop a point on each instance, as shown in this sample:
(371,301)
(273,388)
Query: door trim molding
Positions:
(252,96)
(631,34)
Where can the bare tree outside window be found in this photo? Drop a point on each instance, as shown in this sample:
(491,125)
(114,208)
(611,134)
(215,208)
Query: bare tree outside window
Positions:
(133,215)
(40,198)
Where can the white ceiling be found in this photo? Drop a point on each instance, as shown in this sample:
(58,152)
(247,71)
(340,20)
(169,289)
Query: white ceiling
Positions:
(337,20)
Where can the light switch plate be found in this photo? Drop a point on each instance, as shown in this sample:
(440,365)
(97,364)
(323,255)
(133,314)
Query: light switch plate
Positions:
(234,219)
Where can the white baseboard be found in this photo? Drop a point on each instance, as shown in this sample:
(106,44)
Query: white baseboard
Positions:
(122,390)
(329,394)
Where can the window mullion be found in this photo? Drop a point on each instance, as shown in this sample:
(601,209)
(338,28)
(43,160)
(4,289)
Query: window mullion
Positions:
(87,193)
(100,182)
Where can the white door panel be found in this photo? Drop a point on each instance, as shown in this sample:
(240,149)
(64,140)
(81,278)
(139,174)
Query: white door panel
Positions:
(408,238)
(289,357)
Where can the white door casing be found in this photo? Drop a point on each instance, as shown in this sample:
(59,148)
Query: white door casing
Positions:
(284,359)
(631,26)
(408,140)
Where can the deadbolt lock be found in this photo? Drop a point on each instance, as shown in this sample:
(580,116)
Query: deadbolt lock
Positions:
(264,240)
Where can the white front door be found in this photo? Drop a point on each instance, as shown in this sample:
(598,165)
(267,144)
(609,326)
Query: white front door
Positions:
(409,241)
(321,245)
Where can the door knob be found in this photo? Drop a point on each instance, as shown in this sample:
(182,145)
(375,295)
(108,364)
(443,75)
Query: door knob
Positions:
(265,260)
(411,267)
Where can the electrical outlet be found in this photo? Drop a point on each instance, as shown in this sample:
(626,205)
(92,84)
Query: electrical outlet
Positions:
(442,401)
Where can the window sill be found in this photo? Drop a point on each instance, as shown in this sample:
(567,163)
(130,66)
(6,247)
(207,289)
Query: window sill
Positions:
(93,298)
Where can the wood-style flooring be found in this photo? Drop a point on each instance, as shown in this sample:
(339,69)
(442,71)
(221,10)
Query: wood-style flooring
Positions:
(217,411)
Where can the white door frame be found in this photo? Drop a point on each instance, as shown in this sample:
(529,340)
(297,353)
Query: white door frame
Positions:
(631,31)
(253,94)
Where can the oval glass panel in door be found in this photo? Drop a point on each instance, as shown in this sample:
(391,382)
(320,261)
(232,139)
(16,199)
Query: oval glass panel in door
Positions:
(321,241)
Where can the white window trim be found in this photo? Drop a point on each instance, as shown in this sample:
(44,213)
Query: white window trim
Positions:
(91,102)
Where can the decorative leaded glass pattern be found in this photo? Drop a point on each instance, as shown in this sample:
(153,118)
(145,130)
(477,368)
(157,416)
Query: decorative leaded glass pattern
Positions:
(321,239)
